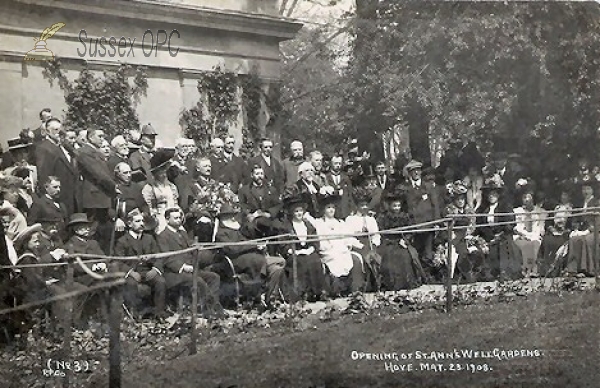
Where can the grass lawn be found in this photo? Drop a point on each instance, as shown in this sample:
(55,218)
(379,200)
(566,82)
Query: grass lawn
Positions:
(565,328)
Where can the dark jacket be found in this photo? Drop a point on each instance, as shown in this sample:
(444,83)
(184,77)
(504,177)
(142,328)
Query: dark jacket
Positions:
(314,207)
(50,159)
(168,241)
(265,198)
(77,245)
(423,203)
(46,211)
(127,245)
(141,160)
(98,185)
(347,202)
(273,173)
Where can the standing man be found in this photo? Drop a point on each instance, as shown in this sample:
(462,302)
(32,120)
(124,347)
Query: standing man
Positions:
(423,206)
(290,165)
(260,202)
(342,184)
(233,171)
(130,197)
(316,159)
(98,186)
(217,159)
(54,159)
(270,164)
(140,159)
(40,132)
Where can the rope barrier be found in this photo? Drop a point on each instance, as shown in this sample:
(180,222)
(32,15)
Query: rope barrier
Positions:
(66,295)
(276,240)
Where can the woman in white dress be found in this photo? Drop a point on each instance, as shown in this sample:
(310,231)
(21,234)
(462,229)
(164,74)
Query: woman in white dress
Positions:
(344,266)
(161,194)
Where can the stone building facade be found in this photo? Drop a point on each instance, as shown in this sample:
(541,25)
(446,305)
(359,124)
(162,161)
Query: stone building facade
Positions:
(197,34)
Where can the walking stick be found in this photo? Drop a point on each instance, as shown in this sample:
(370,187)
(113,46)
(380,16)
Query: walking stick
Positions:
(111,247)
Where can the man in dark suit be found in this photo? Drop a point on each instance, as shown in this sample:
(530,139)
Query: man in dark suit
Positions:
(217,159)
(270,164)
(178,269)
(308,188)
(145,272)
(49,211)
(423,206)
(40,132)
(140,159)
(233,171)
(98,186)
(260,203)
(52,158)
(291,164)
(342,184)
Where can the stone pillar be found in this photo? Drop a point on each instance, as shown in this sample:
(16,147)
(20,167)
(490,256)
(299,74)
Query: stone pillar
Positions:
(11,78)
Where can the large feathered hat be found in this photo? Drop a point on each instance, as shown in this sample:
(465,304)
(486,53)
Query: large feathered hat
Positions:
(161,159)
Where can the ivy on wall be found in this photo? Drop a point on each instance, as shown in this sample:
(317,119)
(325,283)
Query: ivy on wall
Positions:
(107,102)
(220,106)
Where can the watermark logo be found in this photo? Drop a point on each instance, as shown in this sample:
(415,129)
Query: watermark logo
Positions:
(125,47)
(40,52)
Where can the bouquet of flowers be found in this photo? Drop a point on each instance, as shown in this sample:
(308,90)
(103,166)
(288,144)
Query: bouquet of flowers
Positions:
(209,198)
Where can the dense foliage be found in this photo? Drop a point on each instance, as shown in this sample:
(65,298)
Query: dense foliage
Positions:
(107,102)
(523,72)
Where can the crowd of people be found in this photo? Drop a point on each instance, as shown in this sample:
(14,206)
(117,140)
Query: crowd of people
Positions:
(339,218)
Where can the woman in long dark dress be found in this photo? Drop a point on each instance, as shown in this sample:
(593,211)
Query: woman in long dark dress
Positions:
(311,277)
(400,266)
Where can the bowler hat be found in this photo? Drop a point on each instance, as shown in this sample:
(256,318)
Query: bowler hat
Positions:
(78,218)
(25,234)
(148,130)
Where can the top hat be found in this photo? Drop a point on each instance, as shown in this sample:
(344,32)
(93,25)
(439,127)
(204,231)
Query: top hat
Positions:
(161,159)
(17,143)
(148,130)
(25,234)
(78,218)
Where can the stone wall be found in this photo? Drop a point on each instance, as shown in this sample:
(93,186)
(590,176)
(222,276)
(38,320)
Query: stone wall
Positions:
(234,34)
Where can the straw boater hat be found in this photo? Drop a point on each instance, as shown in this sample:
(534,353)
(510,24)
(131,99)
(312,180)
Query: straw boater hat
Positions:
(25,234)
(413,164)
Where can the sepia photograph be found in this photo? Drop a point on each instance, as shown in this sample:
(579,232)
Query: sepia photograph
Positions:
(299,194)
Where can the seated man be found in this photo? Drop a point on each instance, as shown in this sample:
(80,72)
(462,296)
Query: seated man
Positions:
(248,259)
(145,272)
(48,210)
(178,268)
(260,203)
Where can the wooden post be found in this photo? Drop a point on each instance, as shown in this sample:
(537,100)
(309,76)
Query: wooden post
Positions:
(595,250)
(67,323)
(114,356)
(194,333)
(449,277)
